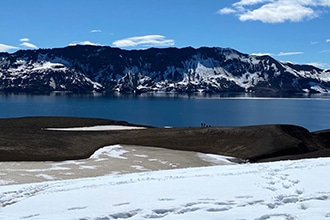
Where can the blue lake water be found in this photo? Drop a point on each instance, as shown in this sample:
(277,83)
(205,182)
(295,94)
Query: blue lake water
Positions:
(312,113)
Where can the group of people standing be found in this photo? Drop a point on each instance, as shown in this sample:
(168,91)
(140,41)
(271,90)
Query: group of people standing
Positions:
(203,125)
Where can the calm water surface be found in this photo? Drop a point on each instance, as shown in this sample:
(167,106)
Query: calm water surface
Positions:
(177,111)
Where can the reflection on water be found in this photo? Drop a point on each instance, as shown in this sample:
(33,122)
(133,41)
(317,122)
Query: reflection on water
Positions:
(159,109)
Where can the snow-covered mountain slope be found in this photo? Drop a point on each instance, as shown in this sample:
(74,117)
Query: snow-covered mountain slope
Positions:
(186,70)
(286,190)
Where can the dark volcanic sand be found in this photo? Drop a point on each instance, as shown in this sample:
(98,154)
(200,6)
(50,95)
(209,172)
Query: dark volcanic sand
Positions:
(25,139)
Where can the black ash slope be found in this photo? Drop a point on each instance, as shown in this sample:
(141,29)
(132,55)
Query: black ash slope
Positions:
(25,139)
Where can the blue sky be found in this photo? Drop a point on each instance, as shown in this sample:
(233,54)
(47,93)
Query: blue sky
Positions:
(289,30)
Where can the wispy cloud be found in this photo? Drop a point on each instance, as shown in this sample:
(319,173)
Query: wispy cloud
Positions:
(24,43)
(276,11)
(225,11)
(96,31)
(87,42)
(7,48)
(27,44)
(288,53)
(327,40)
(25,39)
(325,51)
(146,41)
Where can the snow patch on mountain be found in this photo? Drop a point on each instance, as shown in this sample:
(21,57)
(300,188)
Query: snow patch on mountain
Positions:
(186,70)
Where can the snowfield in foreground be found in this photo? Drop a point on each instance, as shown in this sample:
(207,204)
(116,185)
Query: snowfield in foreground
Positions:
(278,190)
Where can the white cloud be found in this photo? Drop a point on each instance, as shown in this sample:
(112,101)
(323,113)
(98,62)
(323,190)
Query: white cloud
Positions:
(288,53)
(24,39)
(276,11)
(29,45)
(225,11)
(87,42)
(325,2)
(96,31)
(147,41)
(6,48)
(327,40)
(249,2)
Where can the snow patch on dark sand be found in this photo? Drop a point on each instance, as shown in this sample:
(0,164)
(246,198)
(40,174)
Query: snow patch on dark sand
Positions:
(108,160)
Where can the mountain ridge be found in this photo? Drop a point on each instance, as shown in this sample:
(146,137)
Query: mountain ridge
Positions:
(82,69)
